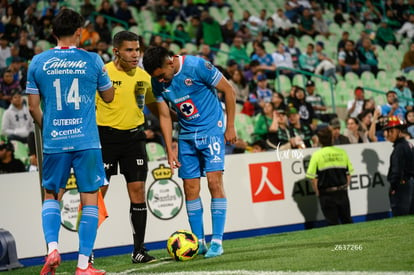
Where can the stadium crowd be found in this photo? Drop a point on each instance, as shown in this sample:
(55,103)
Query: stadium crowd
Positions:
(314,41)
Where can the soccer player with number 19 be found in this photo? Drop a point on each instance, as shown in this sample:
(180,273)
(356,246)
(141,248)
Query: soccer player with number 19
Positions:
(189,83)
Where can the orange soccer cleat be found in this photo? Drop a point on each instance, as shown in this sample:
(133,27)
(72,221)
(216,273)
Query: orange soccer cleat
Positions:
(52,262)
(89,271)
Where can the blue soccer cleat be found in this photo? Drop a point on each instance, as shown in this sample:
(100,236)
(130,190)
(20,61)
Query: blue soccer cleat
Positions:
(214,250)
(202,248)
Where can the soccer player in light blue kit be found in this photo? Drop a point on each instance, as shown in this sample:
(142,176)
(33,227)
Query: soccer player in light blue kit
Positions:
(189,83)
(64,80)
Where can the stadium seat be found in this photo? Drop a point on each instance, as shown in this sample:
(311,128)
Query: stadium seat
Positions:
(284,83)
(21,151)
(299,80)
(155,151)
(367,78)
(44,44)
(244,127)
(117,29)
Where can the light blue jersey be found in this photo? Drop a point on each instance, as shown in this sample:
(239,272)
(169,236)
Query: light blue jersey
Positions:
(69,120)
(193,95)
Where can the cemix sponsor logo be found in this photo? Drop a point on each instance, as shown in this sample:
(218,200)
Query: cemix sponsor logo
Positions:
(69,132)
(266,181)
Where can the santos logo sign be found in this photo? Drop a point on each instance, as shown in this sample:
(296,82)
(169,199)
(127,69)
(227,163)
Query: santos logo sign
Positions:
(266,181)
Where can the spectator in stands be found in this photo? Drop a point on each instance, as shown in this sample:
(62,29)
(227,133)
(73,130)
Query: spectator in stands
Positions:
(53,7)
(316,101)
(342,41)
(370,13)
(368,56)
(407,63)
(365,121)
(192,27)
(238,52)
(17,123)
(263,92)
(375,132)
(191,10)
(401,9)
(87,8)
(206,53)
(123,13)
(228,32)
(269,31)
(306,24)
(259,146)
(355,132)
(282,58)
(45,32)
(294,51)
(409,120)
(163,27)
(265,59)
(106,8)
(230,16)
(209,31)
(5,52)
(251,71)
(407,28)
(385,35)
(348,60)
(8,163)
(264,121)
(181,36)
(392,20)
(102,28)
(309,60)
(354,106)
(238,81)
(320,24)
(300,133)
(7,85)
(392,107)
(89,35)
(304,108)
(284,25)
(231,67)
(102,50)
(25,45)
(293,10)
(326,65)
(12,29)
(337,137)
(339,17)
(176,12)
(279,136)
(404,94)
(278,101)
(244,33)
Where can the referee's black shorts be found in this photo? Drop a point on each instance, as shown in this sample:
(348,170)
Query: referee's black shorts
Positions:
(126,148)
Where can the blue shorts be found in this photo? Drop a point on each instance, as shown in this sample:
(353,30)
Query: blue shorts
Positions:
(201,155)
(87,166)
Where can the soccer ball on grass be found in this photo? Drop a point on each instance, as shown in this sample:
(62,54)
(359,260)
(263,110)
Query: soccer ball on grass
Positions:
(182,245)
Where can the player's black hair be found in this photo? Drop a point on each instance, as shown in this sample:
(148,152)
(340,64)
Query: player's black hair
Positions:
(325,136)
(122,36)
(66,22)
(154,58)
